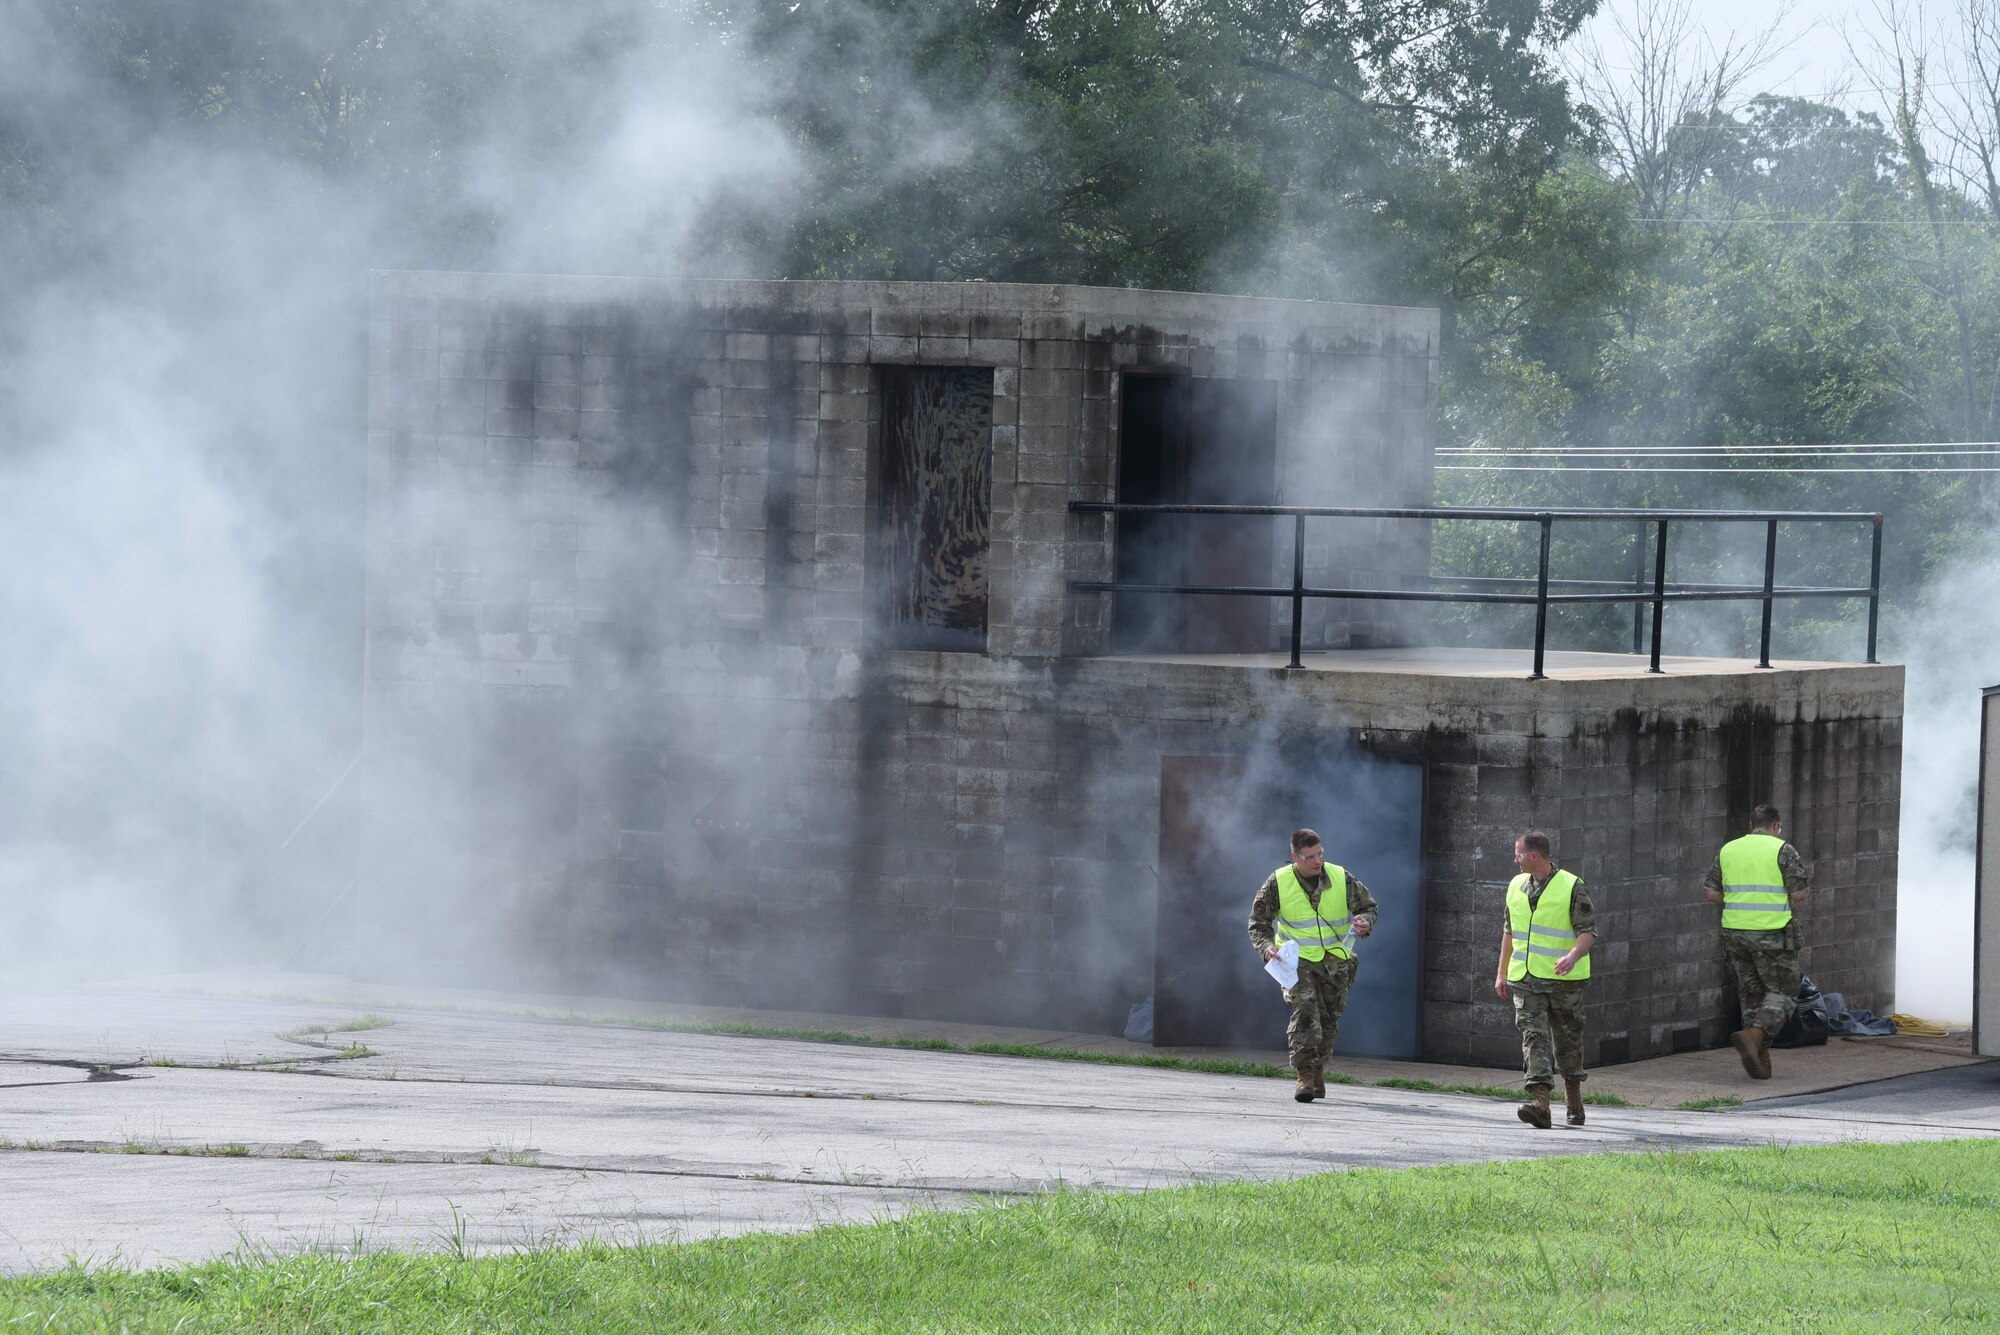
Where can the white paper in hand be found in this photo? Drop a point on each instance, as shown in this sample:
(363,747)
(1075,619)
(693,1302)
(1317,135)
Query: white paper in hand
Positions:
(1285,968)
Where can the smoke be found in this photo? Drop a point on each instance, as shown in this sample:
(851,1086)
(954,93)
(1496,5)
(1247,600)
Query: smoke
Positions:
(190,199)
(1948,646)
(182,475)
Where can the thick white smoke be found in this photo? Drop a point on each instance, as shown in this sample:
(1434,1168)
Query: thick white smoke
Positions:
(1950,649)
(182,415)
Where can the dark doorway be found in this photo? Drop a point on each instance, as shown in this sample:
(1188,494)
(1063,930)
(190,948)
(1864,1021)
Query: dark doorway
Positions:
(1224,826)
(1186,439)
(934,507)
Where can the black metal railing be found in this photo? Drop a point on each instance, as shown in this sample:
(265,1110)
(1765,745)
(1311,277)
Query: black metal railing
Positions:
(1547,591)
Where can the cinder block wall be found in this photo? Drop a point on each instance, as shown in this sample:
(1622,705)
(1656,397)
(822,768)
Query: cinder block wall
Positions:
(1639,781)
(748,406)
(626,730)
(617,556)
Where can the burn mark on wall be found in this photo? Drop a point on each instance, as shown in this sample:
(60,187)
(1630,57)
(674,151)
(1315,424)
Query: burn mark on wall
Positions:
(1749,739)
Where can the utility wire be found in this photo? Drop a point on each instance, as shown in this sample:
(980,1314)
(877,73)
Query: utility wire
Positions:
(1732,472)
(1831,446)
(1836,449)
(1775,444)
(1825,222)
(1810,452)
(1844,90)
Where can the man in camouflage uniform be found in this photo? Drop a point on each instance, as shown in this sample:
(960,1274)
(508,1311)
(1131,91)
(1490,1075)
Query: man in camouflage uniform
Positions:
(1757,879)
(1321,992)
(1539,973)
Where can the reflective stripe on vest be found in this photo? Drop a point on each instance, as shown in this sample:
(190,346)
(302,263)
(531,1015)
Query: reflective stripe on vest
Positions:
(1543,934)
(1753,885)
(1297,920)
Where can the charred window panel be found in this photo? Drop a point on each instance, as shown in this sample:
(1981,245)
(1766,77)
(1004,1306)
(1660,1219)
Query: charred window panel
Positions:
(934,507)
(1192,440)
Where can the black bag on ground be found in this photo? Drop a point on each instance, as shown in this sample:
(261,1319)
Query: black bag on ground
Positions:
(1808,1026)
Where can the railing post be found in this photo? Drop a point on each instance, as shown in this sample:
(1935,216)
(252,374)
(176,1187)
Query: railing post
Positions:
(1659,589)
(1770,582)
(1638,586)
(1874,586)
(1548,523)
(1298,586)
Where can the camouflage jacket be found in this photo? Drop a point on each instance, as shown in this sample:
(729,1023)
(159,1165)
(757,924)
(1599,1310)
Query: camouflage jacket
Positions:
(1264,907)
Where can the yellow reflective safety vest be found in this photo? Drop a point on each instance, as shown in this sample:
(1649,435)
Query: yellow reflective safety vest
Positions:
(1753,885)
(1318,932)
(1543,934)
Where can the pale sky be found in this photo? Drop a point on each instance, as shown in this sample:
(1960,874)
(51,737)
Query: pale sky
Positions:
(1815,61)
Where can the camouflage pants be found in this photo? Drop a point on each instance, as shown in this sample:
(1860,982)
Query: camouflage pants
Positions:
(1316,1002)
(1551,1023)
(1765,966)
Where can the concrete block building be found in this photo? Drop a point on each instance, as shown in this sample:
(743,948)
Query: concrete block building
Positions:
(722,645)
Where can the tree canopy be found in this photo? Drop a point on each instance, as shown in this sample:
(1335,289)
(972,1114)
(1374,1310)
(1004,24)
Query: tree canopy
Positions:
(1757,272)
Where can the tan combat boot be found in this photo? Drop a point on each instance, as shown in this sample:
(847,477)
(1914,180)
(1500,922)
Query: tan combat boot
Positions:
(1535,1112)
(1319,1080)
(1304,1092)
(1753,1045)
(1573,1100)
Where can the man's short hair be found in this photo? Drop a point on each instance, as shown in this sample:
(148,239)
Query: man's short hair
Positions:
(1304,839)
(1534,841)
(1764,816)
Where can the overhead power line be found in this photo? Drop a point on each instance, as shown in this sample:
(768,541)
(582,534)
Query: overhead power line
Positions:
(1751,444)
(1842,90)
(1732,472)
(1826,222)
(1775,452)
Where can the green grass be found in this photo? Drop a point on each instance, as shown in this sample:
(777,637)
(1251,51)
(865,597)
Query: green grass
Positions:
(1213,1066)
(1492,1091)
(1704,1105)
(1850,1238)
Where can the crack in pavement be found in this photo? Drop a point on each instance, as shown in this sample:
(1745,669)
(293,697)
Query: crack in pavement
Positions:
(293,1154)
(1361,1097)
(97,1072)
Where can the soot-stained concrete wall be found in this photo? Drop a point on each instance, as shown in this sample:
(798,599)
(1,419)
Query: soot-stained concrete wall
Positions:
(631,726)
(624,680)
(1046,912)
(1639,781)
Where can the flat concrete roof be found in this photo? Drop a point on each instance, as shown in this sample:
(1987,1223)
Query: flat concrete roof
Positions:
(1104,307)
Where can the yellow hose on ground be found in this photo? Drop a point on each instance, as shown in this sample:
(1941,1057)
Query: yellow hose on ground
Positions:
(1909,1026)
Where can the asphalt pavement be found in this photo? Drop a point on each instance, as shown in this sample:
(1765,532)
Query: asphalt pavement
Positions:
(143,1128)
